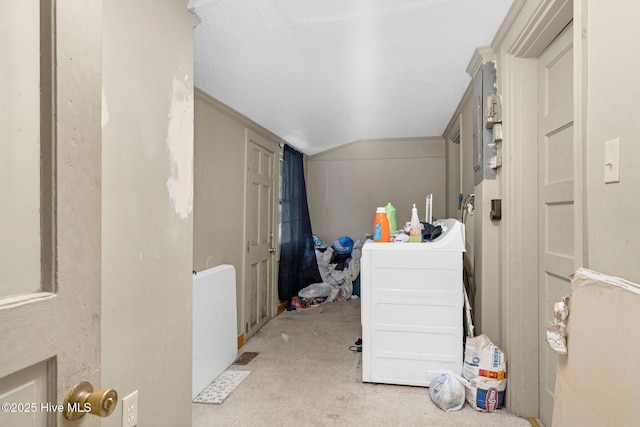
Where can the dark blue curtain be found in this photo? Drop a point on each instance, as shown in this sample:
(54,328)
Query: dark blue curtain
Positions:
(298,267)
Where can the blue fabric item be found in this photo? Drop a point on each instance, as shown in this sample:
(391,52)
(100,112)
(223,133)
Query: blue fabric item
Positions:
(356,286)
(344,245)
(431,232)
(317,242)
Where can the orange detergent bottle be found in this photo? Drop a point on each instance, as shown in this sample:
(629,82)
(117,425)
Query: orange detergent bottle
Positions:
(381,226)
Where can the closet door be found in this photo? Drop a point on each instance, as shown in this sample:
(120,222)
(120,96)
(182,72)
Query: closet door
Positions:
(260,272)
(556,209)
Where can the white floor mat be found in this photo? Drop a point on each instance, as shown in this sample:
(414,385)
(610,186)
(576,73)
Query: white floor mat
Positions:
(216,392)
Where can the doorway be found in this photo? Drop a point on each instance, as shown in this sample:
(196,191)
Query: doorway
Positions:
(541,177)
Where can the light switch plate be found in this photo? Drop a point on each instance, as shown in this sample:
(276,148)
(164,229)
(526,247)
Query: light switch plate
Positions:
(612,161)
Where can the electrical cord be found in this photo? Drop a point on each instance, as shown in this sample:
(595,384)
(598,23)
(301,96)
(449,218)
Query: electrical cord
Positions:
(467,206)
(468,281)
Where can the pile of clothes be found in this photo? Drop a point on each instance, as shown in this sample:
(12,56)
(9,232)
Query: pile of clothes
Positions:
(339,266)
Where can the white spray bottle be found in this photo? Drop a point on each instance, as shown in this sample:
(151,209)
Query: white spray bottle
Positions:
(415,228)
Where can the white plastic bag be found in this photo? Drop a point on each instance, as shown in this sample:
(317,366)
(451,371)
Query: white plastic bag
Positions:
(448,391)
(315,290)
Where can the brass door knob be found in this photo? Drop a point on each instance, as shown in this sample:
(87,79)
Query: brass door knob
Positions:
(82,399)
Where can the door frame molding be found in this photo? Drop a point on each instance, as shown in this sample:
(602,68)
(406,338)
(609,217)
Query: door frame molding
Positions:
(529,28)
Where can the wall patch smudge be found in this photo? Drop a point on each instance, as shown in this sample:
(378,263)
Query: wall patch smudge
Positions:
(180,142)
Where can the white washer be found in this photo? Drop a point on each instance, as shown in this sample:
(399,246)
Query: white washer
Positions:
(412,308)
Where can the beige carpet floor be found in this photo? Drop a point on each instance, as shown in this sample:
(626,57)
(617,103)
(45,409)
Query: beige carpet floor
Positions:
(305,375)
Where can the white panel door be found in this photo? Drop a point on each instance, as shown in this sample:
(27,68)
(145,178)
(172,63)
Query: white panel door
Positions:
(556,208)
(260,278)
(50,143)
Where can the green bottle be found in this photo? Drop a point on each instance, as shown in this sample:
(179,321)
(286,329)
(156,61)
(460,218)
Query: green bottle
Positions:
(391,215)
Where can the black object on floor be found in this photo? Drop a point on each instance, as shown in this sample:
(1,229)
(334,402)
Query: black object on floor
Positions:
(359,342)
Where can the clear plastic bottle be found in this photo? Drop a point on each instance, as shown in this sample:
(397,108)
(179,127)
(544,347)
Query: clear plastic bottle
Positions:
(415,228)
(381,226)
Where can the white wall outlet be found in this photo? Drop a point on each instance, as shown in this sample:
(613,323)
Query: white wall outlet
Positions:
(612,161)
(130,410)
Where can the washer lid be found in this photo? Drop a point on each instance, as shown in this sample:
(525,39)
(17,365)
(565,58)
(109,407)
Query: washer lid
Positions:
(451,239)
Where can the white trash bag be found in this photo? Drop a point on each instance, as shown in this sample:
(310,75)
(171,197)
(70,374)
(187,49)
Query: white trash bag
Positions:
(448,391)
(315,290)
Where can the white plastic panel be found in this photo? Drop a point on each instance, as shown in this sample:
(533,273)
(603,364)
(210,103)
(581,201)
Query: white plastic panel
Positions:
(215,339)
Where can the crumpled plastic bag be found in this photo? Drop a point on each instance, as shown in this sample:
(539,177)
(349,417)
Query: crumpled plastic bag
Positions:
(448,391)
(557,330)
(315,290)
(342,280)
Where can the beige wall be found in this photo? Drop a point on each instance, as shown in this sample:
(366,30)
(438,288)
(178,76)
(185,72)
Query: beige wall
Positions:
(219,189)
(462,124)
(613,111)
(480,255)
(486,263)
(345,185)
(147,155)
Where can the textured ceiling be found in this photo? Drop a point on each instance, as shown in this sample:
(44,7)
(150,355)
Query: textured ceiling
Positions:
(322,73)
